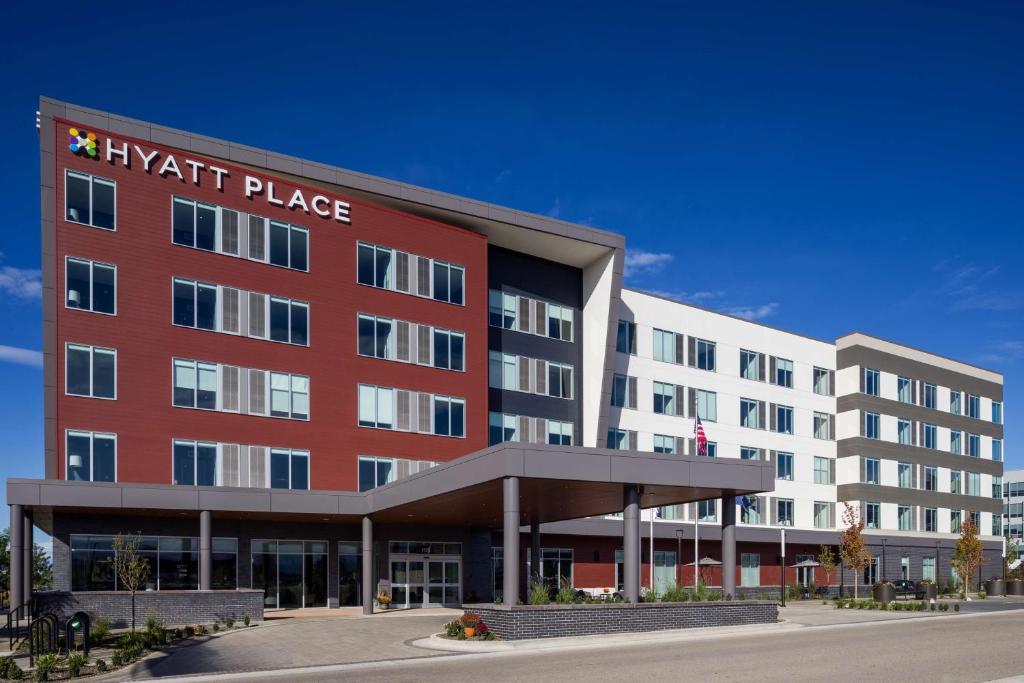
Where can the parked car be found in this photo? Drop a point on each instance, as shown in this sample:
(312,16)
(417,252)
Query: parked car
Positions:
(905,587)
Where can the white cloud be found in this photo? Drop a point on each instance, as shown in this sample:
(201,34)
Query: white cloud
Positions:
(1003,352)
(753,312)
(640,262)
(14,354)
(21,283)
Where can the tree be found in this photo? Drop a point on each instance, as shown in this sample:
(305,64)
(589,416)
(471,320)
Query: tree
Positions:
(1012,553)
(967,554)
(827,560)
(131,568)
(42,567)
(852,547)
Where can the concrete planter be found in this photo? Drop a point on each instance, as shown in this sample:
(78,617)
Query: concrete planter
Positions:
(884,593)
(995,587)
(927,591)
(1015,587)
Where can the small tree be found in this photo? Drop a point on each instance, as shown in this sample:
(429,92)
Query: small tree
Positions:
(1012,553)
(852,547)
(131,568)
(827,560)
(967,554)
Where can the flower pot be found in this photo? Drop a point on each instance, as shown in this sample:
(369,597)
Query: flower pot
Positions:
(884,593)
(995,587)
(470,631)
(927,591)
(1015,587)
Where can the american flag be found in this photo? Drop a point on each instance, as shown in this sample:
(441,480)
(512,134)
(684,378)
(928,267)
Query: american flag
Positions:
(702,439)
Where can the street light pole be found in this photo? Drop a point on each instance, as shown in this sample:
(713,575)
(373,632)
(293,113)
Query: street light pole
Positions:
(783,567)
(696,542)
(679,558)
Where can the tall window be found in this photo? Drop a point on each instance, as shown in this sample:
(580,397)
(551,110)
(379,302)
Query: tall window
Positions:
(375,471)
(954,401)
(195,304)
(784,466)
(502,428)
(620,439)
(751,514)
(783,373)
(707,405)
(91,456)
(904,431)
(928,568)
(560,322)
(823,426)
(664,399)
(750,367)
(90,371)
(956,442)
(872,429)
(822,381)
(750,569)
(195,463)
(749,453)
(903,517)
(705,354)
(387,268)
(501,310)
(289,469)
(873,515)
(707,510)
(997,487)
(871,470)
(90,285)
(931,436)
(625,340)
(973,406)
(973,484)
(784,419)
(194,224)
(560,433)
(289,321)
(289,246)
(955,521)
(89,200)
(784,512)
(997,450)
(449,416)
(560,380)
(376,407)
(997,412)
(821,470)
(956,482)
(930,396)
(871,381)
(749,414)
(666,347)
(931,517)
(821,515)
(905,389)
(931,478)
(289,395)
(974,445)
(905,475)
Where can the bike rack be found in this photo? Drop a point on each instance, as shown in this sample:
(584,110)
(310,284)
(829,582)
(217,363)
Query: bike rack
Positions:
(36,627)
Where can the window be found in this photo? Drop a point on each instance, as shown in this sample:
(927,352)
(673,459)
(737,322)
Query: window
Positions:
(871,426)
(195,463)
(89,200)
(955,521)
(625,340)
(871,571)
(931,517)
(748,453)
(955,442)
(289,395)
(931,478)
(448,283)
(973,406)
(665,399)
(560,322)
(194,224)
(195,384)
(449,416)
(90,371)
(289,469)
(664,444)
(619,439)
(930,396)
(398,271)
(903,517)
(997,450)
(707,405)
(783,372)
(667,346)
(928,568)
(91,456)
(289,246)
(502,428)
(501,310)
(91,286)
(954,401)
(955,482)
(449,350)
(974,445)
(749,415)
(872,380)
(783,419)
(784,466)
(751,512)
(821,515)
(560,380)
(750,569)
(376,337)
(195,304)
(873,515)
(707,510)
(821,470)
(931,436)
(560,433)
(750,365)
(871,470)
(289,321)
(375,471)
(904,431)
(997,525)
(973,484)
(997,487)
(376,407)
(905,389)
(622,388)
(822,381)
(784,512)
(705,355)
(997,412)
(975,520)
(823,426)
(712,449)
(503,371)
(905,475)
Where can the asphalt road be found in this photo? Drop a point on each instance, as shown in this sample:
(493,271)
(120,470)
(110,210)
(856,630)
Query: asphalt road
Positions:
(969,648)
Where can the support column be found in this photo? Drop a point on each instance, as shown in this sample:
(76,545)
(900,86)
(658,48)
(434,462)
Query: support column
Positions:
(729,545)
(17,549)
(631,543)
(367,578)
(510,529)
(30,545)
(205,551)
(535,566)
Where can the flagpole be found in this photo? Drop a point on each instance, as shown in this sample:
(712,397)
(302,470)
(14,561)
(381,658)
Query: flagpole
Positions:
(652,549)
(696,516)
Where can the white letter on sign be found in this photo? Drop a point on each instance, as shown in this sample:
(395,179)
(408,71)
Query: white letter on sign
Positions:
(298,200)
(172,166)
(322,205)
(341,211)
(252,185)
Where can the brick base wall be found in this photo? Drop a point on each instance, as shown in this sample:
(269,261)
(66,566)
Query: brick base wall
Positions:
(534,621)
(172,608)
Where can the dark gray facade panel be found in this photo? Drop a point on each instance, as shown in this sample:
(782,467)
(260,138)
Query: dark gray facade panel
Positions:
(875,448)
(932,499)
(901,365)
(909,411)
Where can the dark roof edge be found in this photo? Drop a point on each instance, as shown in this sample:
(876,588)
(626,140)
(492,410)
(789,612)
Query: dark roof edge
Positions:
(363,182)
(919,350)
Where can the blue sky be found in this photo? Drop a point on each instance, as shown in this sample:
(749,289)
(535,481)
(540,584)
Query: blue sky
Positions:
(822,167)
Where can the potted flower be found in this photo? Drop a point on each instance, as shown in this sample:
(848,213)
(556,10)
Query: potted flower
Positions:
(884,592)
(927,590)
(384,599)
(995,586)
(470,620)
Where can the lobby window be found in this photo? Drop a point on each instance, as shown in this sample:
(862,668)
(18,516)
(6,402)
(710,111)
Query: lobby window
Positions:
(750,413)
(871,470)
(954,401)
(750,569)
(872,380)
(973,406)
(821,515)
(905,389)
(749,453)
(449,416)
(664,444)
(195,463)
(560,380)
(930,396)
(872,429)
(784,466)
(751,514)
(931,519)
(904,431)
(905,475)
(668,346)
(928,568)
(823,426)
(955,521)
(997,450)
(784,512)
(822,381)
(974,445)
(956,482)
(665,399)
(625,339)
(195,304)
(956,442)
(997,412)
(289,469)
(194,224)
(973,484)
(707,405)
(706,355)
(90,371)
(90,286)
(871,572)
(375,471)
(822,470)
(784,419)
(873,515)
(903,517)
(931,478)
(195,384)
(376,407)
(89,200)
(624,391)
(289,246)
(707,510)
(750,365)
(931,436)
(289,321)
(91,456)
(289,395)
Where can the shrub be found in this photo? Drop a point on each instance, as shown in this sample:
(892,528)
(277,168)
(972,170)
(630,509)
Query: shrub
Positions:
(117,659)
(565,595)
(470,619)
(714,596)
(933,606)
(75,661)
(700,592)
(189,631)
(539,594)
(5,663)
(202,630)
(245,619)
(483,630)
(728,597)
(100,630)
(229,623)
(216,627)
(956,606)
(101,665)
(982,595)
(453,629)
(14,672)
(675,593)
(46,666)
(178,634)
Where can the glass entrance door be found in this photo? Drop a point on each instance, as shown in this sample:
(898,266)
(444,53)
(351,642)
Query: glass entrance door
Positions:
(664,570)
(425,581)
(804,575)
(443,582)
(292,574)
